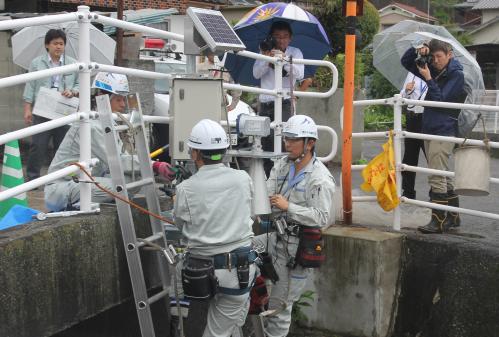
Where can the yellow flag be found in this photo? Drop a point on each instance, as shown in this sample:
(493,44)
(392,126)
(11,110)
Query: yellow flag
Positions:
(379,176)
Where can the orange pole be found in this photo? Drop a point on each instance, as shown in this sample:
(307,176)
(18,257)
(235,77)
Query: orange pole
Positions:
(348,87)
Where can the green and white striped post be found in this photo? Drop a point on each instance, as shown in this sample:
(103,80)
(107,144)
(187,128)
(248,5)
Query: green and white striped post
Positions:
(12,176)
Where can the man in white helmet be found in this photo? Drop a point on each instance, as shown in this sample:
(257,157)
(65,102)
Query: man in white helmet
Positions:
(64,194)
(301,192)
(213,210)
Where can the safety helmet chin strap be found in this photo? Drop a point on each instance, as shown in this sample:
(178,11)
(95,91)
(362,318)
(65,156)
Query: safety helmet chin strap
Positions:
(304,153)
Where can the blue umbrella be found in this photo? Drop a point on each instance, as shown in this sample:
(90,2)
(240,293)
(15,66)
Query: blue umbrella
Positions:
(308,35)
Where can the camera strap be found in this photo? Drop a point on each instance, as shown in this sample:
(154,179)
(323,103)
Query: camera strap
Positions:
(278,192)
(442,73)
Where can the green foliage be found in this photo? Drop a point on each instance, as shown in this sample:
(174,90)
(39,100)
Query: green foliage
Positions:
(443,10)
(297,314)
(323,75)
(329,13)
(380,87)
(361,161)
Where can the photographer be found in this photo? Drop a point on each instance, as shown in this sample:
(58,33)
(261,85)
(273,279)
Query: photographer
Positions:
(435,64)
(277,43)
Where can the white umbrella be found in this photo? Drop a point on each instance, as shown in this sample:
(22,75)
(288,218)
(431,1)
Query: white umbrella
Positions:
(29,43)
(473,79)
(386,57)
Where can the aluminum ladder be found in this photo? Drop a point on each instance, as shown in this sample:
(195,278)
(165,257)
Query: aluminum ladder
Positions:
(131,243)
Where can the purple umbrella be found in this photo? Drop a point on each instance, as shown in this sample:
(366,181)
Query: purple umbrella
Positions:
(308,35)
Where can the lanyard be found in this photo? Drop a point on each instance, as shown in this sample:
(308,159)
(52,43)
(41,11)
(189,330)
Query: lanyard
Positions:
(422,88)
(294,180)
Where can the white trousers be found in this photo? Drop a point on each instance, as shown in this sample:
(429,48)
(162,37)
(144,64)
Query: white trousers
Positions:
(227,312)
(291,282)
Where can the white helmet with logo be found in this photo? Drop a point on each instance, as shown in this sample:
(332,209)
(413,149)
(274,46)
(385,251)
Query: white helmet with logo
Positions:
(111,82)
(208,135)
(300,126)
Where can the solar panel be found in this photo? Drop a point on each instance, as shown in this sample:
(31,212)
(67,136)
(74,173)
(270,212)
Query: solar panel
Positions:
(215,30)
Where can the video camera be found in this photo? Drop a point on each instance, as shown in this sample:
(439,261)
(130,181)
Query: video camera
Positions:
(268,44)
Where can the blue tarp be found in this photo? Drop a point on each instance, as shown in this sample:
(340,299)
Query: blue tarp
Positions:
(17,215)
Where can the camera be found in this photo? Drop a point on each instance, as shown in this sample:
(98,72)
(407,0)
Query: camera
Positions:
(280,225)
(421,60)
(268,44)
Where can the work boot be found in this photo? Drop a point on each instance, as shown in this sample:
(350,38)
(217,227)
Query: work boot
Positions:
(438,222)
(453,218)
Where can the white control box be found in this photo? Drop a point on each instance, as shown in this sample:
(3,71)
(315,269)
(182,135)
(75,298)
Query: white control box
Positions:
(191,100)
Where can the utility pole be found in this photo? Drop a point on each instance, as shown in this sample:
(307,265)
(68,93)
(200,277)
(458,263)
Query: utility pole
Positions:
(351,8)
(428,12)
(119,35)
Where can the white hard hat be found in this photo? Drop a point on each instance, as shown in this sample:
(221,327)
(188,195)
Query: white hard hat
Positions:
(300,126)
(111,82)
(208,135)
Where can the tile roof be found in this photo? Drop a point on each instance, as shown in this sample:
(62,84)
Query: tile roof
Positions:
(487,4)
(411,9)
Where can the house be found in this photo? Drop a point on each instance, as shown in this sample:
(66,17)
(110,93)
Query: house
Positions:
(481,22)
(396,12)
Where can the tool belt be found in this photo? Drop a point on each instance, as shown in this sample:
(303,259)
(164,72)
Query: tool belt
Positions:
(198,278)
(198,274)
(310,252)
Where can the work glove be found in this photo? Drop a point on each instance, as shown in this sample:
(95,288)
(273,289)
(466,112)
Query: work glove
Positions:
(164,169)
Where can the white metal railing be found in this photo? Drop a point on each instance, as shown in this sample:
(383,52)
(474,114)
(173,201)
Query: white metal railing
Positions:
(398,134)
(84,66)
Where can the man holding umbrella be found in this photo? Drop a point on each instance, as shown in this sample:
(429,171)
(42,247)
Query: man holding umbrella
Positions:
(277,43)
(67,85)
(435,64)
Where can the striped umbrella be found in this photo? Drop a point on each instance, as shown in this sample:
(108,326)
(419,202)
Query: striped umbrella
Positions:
(308,35)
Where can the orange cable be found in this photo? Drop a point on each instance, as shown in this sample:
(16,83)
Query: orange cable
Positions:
(117,196)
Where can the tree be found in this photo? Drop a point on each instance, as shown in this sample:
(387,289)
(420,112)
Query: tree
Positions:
(329,13)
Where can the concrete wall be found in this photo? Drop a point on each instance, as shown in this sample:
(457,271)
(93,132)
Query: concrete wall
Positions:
(487,35)
(326,111)
(57,273)
(489,14)
(356,290)
(11,105)
(144,86)
(449,287)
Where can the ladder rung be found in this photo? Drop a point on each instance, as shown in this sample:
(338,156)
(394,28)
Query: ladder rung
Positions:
(151,238)
(157,296)
(140,183)
(123,127)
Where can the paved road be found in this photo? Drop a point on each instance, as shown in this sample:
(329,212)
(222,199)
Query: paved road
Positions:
(474,228)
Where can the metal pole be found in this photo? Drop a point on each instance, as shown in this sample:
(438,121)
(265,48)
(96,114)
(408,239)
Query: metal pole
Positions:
(495,114)
(84,79)
(428,12)
(278,107)
(191,64)
(346,168)
(397,147)
(119,35)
